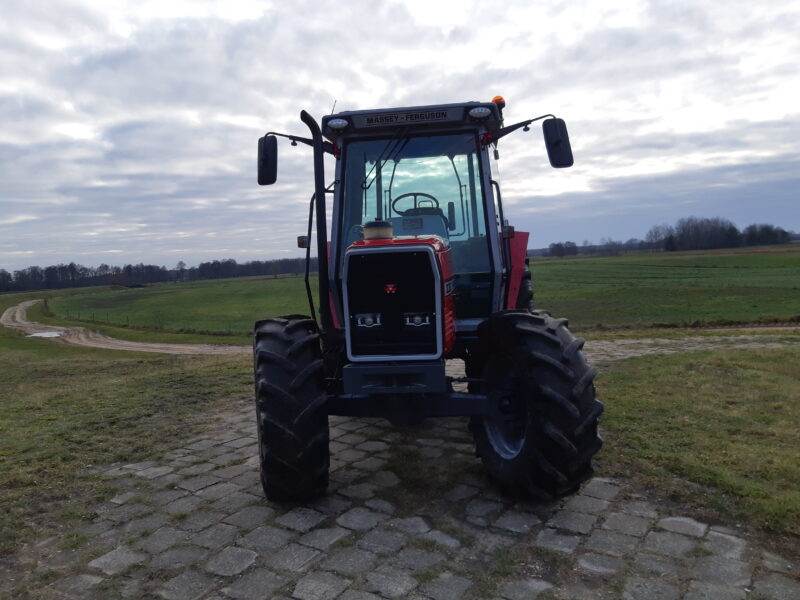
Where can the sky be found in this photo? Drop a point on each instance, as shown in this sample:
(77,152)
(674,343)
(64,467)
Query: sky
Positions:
(128,130)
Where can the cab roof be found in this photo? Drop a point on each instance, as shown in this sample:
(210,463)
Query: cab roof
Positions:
(434,117)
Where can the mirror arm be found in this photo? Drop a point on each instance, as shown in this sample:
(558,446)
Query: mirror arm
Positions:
(326,146)
(504,131)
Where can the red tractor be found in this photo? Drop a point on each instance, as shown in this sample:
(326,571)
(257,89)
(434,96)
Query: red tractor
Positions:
(421,267)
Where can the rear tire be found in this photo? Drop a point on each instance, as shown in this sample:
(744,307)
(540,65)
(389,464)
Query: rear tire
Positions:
(541,441)
(291,418)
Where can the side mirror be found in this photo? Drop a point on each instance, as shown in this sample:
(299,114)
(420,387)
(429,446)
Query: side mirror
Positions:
(556,139)
(267,160)
(451,216)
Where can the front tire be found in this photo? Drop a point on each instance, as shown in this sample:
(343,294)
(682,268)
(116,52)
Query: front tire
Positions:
(291,418)
(542,437)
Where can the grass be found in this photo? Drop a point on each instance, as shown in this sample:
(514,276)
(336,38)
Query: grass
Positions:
(715,430)
(214,311)
(673,289)
(64,410)
(632,291)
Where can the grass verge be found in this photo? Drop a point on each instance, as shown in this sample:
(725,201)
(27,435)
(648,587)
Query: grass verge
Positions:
(64,410)
(716,430)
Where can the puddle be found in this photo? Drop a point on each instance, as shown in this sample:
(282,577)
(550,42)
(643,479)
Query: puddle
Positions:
(46,334)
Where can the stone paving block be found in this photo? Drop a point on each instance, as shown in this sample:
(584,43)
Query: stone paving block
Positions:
(639,508)
(447,587)
(231,471)
(149,523)
(684,526)
(775,562)
(322,539)
(199,520)
(178,557)
(637,588)
(390,582)
(725,545)
(601,488)
(416,559)
(362,491)
(373,446)
(301,519)
(413,525)
(611,542)
(518,522)
(231,561)
(668,543)
(350,455)
(293,557)
(239,443)
(183,505)
(441,538)
(349,561)
(218,490)
(154,472)
(384,479)
(123,498)
(550,538)
(524,589)
(190,585)
(197,469)
(627,524)
(250,517)
(372,463)
(586,504)
(126,512)
(118,560)
(380,505)
(79,584)
(320,586)
(164,497)
(776,587)
(382,541)
(256,585)
(140,465)
(480,507)
(360,519)
(601,564)
(460,492)
(721,570)
(352,438)
(266,538)
(215,536)
(572,521)
(700,590)
(161,539)
(656,564)
(202,444)
(193,484)
(235,501)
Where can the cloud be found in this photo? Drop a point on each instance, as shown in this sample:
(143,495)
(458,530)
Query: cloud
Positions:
(129,131)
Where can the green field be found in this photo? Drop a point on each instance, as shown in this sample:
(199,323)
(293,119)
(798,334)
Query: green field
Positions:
(673,289)
(617,292)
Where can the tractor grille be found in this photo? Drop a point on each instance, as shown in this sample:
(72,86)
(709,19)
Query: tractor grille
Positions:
(391,305)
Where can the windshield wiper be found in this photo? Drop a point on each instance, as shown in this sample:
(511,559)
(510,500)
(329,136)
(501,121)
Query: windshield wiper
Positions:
(395,139)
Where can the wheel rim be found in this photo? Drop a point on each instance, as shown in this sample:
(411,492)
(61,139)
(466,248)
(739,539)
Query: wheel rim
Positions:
(505,428)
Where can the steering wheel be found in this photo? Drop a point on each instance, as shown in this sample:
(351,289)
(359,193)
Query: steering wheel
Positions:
(415,195)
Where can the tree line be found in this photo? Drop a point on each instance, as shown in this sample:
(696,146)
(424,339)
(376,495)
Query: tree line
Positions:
(689,233)
(75,275)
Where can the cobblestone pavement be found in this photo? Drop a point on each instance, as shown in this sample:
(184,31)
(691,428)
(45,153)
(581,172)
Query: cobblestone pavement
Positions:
(409,514)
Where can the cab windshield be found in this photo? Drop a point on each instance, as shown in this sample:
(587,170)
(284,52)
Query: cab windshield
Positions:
(423,185)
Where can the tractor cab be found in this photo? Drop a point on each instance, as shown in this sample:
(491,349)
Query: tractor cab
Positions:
(428,176)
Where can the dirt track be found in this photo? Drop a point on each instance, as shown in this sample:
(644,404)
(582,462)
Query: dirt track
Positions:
(597,351)
(16,318)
